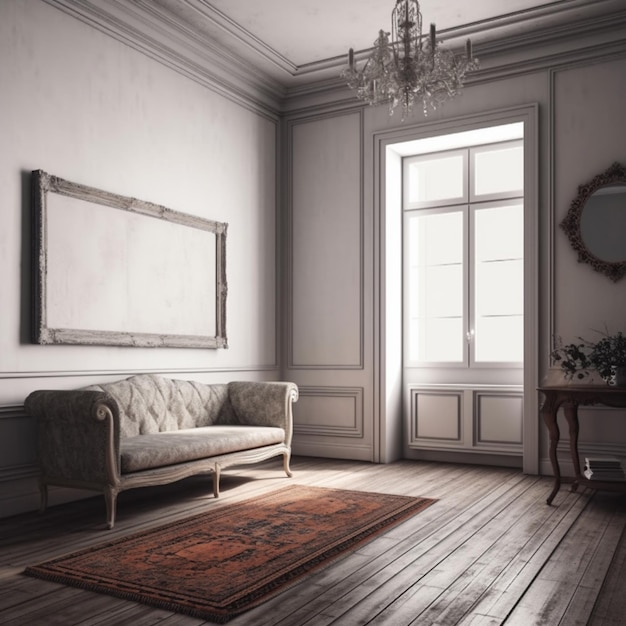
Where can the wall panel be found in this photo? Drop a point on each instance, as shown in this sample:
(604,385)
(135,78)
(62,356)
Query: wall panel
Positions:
(466,418)
(329,411)
(328,299)
(326,244)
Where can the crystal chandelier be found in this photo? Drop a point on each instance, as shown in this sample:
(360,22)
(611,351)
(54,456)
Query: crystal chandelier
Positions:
(409,68)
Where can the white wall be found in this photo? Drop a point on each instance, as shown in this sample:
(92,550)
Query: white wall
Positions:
(83,106)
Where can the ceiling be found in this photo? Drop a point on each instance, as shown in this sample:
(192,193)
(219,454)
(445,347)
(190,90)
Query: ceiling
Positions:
(306,31)
(295,41)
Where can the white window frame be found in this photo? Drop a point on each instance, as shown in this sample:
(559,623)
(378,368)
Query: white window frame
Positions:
(469,203)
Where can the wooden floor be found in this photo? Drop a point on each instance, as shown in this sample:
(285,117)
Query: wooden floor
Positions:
(489,551)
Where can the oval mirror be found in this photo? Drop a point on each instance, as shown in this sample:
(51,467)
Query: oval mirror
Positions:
(596,222)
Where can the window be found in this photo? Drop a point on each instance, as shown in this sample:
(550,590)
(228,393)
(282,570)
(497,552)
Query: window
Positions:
(463,250)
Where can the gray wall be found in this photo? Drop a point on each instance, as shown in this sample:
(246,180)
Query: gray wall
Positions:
(578,87)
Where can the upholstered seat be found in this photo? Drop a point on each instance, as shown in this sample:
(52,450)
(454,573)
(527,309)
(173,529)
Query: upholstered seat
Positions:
(150,430)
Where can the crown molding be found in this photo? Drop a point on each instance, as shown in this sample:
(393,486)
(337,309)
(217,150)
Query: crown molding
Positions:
(196,40)
(145,27)
(527,53)
(212,23)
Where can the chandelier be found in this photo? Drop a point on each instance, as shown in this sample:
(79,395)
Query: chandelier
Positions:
(410,67)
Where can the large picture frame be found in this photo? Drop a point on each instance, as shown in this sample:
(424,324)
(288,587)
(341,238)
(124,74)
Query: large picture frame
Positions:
(117,271)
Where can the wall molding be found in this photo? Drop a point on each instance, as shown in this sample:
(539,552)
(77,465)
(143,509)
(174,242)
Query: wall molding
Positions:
(478,417)
(328,429)
(291,364)
(602,56)
(18,472)
(12,411)
(333,450)
(584,448)
(442,392)
(267,86)
(133,372)
(146,28)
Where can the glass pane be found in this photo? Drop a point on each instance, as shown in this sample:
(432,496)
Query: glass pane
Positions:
(499,233)
(435,286)
(500,339)
(498,283)
(499,170)
(499,288)
(436,238)
(443,340)
(436,179)
(443,291)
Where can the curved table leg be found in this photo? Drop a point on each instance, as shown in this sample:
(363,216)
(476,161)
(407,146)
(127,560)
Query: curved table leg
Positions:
(571,415)
(548,412)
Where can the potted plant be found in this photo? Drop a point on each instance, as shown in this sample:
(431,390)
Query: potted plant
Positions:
(607,356)
(572,357)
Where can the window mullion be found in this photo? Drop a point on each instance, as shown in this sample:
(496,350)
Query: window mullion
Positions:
(469,284)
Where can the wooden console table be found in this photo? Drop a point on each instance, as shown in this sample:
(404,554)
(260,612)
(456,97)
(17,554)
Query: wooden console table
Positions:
(570,397)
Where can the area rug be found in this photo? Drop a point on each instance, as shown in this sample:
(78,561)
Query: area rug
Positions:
(219,564)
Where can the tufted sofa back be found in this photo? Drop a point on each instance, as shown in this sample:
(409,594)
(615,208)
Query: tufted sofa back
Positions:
(151,404)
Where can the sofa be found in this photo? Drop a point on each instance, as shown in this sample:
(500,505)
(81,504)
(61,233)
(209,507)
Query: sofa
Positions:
(151,430)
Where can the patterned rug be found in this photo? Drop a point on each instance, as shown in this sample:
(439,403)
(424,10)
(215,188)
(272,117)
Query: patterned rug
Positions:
(219,564)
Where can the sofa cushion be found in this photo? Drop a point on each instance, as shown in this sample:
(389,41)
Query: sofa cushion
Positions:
(151,404)
(168,448)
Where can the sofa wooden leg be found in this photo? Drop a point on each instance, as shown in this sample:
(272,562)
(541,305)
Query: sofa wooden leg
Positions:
(216,482)
(110,499)
(286,459)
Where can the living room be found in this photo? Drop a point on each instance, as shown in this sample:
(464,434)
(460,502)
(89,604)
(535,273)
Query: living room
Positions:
(119,97)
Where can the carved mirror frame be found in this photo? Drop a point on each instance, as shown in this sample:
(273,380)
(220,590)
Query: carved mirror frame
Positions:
(571,223)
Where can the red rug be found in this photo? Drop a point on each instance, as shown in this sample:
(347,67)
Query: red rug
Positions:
(219,564)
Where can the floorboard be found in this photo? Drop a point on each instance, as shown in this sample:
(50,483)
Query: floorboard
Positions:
(489,551)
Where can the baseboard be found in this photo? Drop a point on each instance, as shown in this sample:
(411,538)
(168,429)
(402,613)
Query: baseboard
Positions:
(22,496)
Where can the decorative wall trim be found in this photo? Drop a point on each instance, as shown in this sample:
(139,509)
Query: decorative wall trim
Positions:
(348,449)
(146,28)
(416,437)
(477,416)
(602,56)
(590,448)
(529,115)
(468,399)
(132,372)
(584,448)
(268,85)
(328,429)
(18,472)
(335,94)
(291,364)
(12,411)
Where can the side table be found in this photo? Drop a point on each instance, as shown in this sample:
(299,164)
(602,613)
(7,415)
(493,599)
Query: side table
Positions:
(570,397)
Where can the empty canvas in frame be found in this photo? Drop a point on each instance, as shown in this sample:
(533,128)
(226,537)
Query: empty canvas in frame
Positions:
(113,270)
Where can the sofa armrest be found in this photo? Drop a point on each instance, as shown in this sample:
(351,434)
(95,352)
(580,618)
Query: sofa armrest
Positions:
(264,404)
(79,435)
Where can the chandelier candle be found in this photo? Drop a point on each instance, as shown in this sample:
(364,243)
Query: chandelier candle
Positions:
(409,68)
